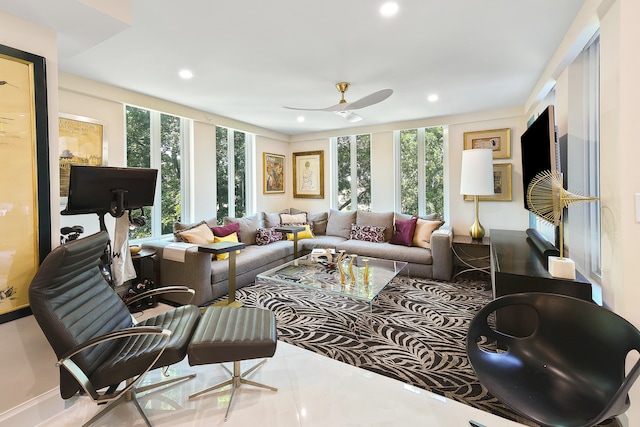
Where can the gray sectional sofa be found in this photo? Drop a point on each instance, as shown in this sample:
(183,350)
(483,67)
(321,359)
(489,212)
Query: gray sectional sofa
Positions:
(332,229)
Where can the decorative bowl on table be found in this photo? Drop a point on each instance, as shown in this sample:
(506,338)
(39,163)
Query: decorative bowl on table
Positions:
(134,249)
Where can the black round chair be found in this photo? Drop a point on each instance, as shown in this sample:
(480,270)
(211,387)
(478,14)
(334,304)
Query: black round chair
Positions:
(569,371)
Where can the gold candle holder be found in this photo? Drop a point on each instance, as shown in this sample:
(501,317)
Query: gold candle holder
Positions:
(366,270)
(353,276)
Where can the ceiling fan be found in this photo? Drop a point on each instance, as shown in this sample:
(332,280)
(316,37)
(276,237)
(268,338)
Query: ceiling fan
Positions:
(345,109)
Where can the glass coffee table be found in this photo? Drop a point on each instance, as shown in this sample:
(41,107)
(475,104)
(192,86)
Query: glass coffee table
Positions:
(321,273)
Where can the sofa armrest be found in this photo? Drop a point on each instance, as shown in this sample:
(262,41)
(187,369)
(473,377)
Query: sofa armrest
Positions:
(194,272)
(441,241)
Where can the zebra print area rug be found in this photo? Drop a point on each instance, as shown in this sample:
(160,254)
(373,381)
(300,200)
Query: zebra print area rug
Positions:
(415,333)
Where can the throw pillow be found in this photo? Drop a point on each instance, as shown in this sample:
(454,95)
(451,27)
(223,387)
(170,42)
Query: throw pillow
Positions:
(248,227)
(225,230)
(423,231)
(272,219)
(264,236)
(199,234)
(286,219)
(367,233)
(339,223)
(430,217)
(233,237)
(377,219)
(306,234)
(404,232)
(317,219)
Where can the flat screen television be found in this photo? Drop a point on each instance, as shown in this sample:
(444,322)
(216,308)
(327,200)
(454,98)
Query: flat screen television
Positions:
(539,148)
(102,189)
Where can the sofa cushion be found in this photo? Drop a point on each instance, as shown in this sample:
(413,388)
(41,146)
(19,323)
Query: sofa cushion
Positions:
(248,227)
(199,234)
(233,237)
(387,251)
(339,223)
(404,231)
(225,230)
(367,233)
(300,218)
(423,231)
(264,236)
(318,219)
(252,258)
(272,219)
(430,217)
(378,220)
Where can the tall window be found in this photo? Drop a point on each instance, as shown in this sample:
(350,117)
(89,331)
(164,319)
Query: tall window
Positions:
(421,166)
(232,180)
(584,158)
(353,154)
(156,140)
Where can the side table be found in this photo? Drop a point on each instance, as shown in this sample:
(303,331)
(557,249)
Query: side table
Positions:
(473,254)
(294,229)
(223,248)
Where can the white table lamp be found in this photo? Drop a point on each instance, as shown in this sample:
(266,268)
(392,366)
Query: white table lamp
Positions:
(477,180)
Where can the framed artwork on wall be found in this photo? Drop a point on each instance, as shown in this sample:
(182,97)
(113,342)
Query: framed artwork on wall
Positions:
(81,142)
(273,173)
(498,140)
(25,208)
(501,184)
(308,174)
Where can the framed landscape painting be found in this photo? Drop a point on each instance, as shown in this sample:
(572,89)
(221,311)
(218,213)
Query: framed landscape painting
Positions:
(273,171)
(308,174)
(498,140)
(81,142)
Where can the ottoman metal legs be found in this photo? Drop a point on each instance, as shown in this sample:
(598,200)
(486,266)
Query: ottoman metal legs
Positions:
(228,334)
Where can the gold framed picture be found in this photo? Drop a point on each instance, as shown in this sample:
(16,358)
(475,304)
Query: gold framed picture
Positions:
(308,174)
(81,142)
(501,184)
(273,173)
(499,140)
(25,208)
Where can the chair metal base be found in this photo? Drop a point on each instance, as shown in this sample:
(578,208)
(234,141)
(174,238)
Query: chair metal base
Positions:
(132,396)
(236,380)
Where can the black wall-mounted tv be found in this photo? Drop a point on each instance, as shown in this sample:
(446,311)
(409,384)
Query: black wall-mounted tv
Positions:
(540,149)
(102,189)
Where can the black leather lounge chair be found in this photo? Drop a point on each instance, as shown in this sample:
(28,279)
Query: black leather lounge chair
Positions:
(569,371)
(101,350)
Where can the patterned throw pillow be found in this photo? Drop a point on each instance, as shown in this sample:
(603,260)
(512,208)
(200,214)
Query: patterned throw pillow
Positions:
(367,233)
(264,236)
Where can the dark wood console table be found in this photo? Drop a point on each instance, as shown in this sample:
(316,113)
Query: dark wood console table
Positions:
(516,266)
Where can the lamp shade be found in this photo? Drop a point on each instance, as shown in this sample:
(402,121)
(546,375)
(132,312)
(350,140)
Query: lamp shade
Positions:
(477,172)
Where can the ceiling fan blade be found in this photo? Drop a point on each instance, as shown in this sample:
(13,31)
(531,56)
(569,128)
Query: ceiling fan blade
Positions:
(374,98)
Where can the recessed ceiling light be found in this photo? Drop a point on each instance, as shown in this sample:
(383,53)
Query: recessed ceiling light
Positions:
(389,8)
(300,119)
(432,98)
(185,74)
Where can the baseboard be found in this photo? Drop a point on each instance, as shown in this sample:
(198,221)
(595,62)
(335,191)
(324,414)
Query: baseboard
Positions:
(34,411)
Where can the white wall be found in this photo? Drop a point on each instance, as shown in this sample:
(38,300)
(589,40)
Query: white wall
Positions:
(28,360)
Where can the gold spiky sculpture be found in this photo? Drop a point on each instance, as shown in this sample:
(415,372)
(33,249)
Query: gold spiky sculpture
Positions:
(547,199)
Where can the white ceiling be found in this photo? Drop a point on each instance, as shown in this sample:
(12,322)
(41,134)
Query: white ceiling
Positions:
(252,57)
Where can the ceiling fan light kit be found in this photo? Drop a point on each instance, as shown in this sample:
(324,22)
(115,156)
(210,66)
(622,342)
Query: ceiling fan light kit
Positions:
(345,109)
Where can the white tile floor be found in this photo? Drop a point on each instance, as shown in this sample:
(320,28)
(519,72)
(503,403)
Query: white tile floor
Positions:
(313,391)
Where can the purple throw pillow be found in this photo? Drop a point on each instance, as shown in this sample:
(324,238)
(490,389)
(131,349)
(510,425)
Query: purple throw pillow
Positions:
(404,231)
(225,230)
